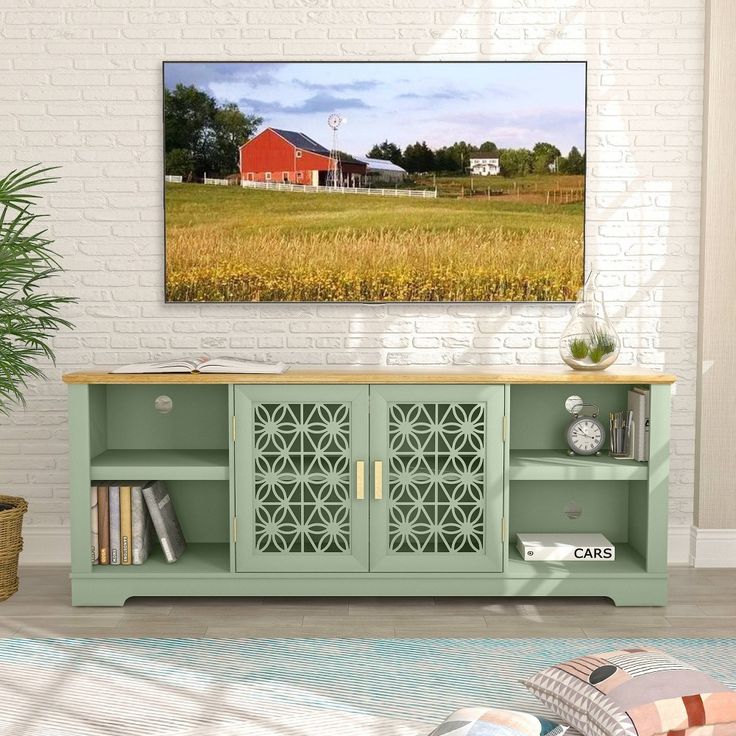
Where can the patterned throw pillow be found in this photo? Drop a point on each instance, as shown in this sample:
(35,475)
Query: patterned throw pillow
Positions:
(493,722)
(636,692)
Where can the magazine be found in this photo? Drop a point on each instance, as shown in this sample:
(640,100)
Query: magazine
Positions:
(222,364)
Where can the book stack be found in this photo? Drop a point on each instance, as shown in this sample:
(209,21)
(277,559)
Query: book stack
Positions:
(565,547)
(124,516)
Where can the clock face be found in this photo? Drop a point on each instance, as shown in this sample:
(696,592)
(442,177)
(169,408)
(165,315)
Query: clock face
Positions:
(585,436)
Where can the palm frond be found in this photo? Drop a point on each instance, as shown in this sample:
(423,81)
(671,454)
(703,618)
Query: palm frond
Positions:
(29,318)
(15,186)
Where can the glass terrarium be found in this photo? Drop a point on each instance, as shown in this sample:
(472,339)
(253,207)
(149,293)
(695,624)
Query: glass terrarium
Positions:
(589,342)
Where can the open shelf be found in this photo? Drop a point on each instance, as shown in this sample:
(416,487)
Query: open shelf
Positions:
(628,562)
(558,465)
(198,559)
(168,464)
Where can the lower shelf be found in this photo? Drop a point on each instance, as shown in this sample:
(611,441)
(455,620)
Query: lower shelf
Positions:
(204,559)
(198,559)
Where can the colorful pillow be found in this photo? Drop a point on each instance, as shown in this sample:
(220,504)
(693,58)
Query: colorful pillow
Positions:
(493,722)
(636,692)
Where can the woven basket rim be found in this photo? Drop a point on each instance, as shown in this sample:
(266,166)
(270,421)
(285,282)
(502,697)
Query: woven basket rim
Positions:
(18,503)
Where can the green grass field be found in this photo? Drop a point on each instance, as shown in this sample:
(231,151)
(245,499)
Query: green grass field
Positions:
(233,244)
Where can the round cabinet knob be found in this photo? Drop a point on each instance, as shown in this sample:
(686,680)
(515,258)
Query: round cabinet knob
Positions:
(572,402)
(163,404)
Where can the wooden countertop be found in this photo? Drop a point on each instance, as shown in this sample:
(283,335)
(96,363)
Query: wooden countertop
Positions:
(449,375)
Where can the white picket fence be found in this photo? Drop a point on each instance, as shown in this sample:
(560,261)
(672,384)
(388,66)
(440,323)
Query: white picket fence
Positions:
(375,191)
(216,182)
(174,179)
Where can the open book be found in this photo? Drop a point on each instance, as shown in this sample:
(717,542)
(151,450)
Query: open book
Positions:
(222,364)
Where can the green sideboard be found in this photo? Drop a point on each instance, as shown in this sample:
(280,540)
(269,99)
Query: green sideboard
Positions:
(379,482)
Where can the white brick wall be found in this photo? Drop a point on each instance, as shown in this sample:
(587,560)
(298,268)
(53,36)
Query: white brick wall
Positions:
(80,86)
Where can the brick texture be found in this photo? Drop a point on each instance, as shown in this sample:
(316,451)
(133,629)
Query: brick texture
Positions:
(80,86)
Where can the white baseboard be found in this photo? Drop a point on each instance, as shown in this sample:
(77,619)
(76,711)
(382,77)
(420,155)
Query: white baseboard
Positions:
(45,545)
(712,547)
(678,544)
(50,546)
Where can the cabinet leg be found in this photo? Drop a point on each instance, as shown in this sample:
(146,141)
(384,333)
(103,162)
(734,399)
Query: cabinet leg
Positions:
(644,593)
(85,593)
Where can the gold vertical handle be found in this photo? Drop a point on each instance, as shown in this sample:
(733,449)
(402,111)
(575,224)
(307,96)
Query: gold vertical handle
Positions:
(378,480)
(360,480)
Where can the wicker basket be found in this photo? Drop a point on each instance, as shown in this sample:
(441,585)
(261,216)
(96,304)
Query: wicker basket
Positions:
(11,543)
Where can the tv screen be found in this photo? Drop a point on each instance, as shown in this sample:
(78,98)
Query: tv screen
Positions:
(374,182)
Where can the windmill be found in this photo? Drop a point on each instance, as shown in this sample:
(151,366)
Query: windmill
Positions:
(334,168)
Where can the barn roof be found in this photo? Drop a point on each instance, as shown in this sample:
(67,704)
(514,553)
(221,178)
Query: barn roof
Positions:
(299,140)
(380,164)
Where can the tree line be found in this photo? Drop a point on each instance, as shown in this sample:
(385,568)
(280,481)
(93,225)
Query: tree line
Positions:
(544,158)
(202,135)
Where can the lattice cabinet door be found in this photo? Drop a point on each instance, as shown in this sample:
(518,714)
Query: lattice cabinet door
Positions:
(437,478)
(301,464)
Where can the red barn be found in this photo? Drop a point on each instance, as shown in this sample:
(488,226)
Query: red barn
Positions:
(287,156)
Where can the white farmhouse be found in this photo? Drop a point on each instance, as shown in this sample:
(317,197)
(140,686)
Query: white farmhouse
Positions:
(485,166)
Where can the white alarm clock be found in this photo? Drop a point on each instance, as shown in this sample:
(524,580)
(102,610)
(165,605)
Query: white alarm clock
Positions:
(585,434)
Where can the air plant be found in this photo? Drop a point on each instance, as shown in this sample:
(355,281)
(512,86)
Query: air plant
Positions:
(596,354)
(578,348)
(601,343)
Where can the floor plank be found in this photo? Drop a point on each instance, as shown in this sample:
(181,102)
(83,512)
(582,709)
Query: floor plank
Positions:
(702,603)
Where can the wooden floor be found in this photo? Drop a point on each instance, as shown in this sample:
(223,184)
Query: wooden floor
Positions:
(702,603)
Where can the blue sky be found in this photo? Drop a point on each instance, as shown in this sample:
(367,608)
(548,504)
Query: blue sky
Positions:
(513,104)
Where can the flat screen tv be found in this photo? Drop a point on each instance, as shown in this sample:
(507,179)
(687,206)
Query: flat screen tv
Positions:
(374,182)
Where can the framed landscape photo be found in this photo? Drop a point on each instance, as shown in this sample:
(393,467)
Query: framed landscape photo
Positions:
(374,181)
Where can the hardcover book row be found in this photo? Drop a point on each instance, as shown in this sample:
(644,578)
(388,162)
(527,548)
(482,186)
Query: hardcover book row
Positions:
(125,516)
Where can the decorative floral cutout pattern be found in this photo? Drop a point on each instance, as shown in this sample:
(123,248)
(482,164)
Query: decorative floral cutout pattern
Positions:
(302,477)
(436,477)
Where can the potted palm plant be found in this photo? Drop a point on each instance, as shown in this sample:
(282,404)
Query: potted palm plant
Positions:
(28,320)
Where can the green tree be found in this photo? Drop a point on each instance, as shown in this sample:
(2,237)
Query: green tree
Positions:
(445,160)
(575,162)
(489,148)
(387,151)
(179,162)
(461,152)
(545,154)
(418,157)
(516,161)
(189,115)
(231,129)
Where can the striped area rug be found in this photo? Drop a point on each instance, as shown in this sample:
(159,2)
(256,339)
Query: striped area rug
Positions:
(287,687)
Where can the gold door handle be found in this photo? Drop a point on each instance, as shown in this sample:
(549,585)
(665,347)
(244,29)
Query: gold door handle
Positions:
(360,480)
(378,480)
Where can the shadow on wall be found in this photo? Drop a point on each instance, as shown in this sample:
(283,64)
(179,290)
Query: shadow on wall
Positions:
(642,214)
